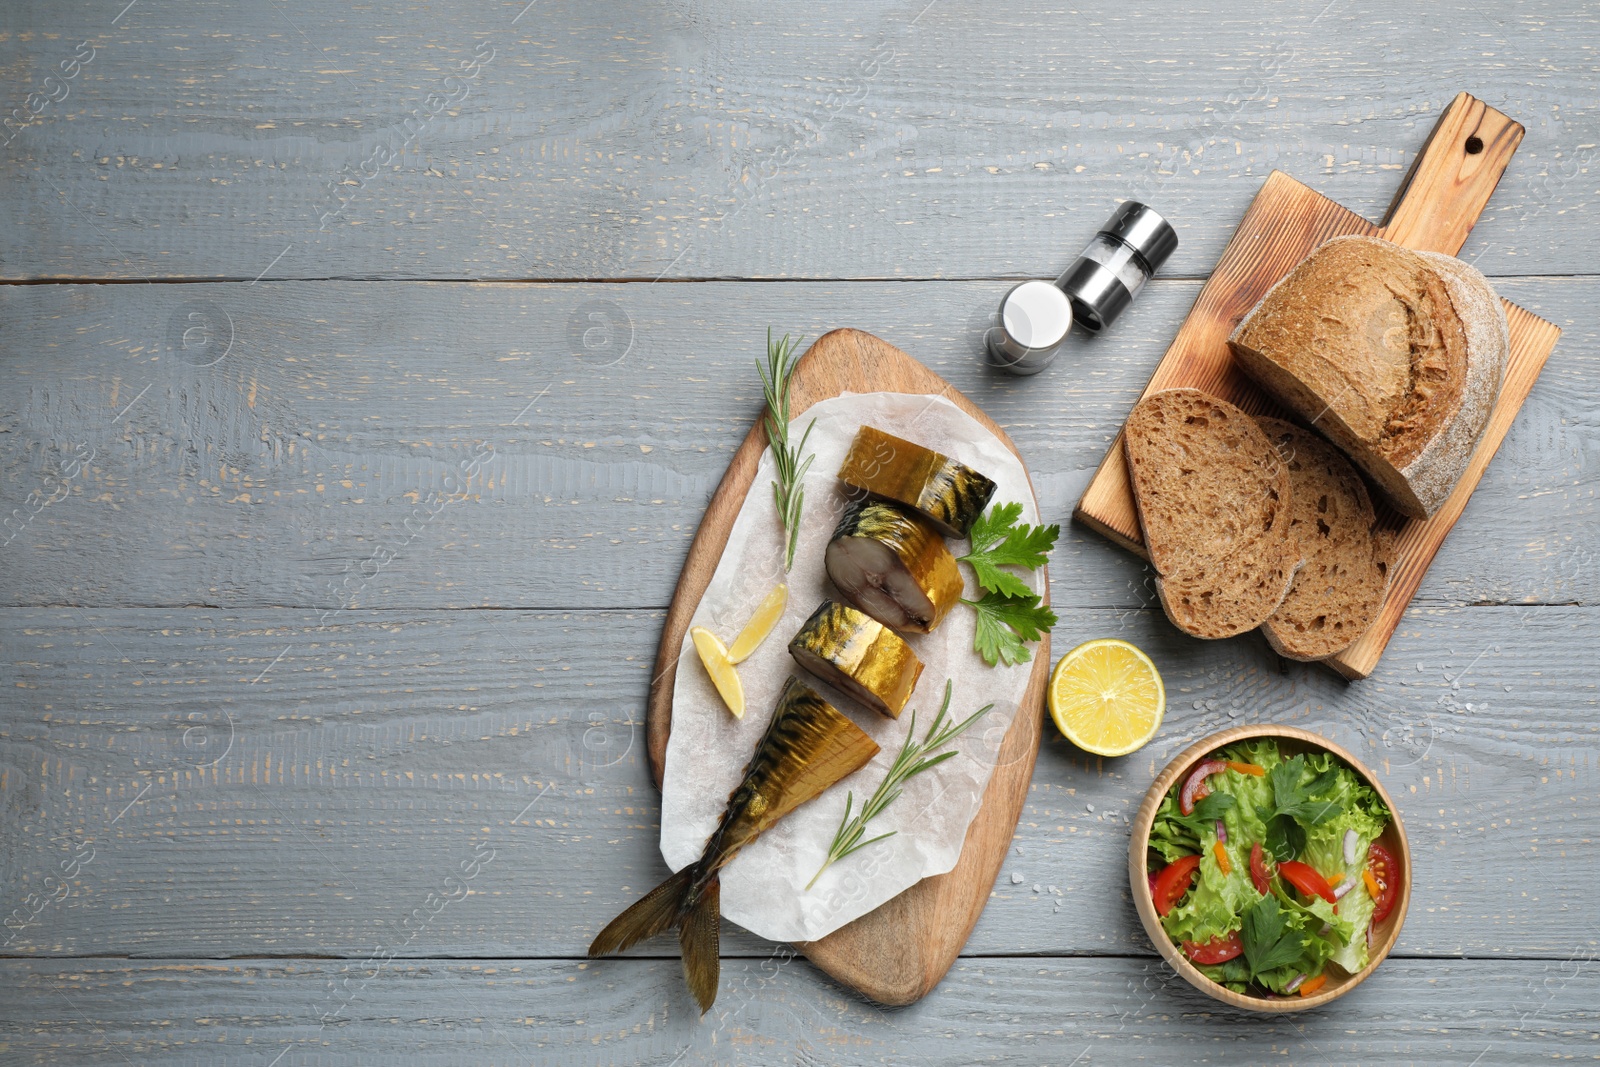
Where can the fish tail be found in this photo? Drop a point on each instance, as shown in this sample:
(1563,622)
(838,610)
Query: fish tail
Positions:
(698,935)
(656,912)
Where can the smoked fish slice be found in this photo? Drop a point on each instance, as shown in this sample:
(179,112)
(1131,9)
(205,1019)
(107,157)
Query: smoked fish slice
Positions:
(857,654)
(892,564)
(951,495)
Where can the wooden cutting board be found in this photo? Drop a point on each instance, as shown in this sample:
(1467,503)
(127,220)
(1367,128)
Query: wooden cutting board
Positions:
(1439,201)
(898,952)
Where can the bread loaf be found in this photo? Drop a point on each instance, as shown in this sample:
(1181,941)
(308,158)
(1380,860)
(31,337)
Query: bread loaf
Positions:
(1346,560)
(1213,502)
(1396,356)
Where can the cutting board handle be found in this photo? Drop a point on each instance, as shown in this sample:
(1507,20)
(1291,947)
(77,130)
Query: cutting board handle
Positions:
(1452,178)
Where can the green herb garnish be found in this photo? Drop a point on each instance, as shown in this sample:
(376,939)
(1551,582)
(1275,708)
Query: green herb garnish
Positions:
(997,541)
(1207,810)
(1269,943)
(787,492)
(1005,622)
(915,757)
(1009,613)
(1293,811)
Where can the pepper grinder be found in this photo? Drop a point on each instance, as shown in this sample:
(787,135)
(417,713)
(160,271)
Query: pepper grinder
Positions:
(1131,246)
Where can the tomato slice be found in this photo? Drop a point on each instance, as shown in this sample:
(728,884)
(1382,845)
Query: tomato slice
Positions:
(1307,880)
(1219,949)
(1259,875)
(1381,862)
(1173,882)
(1196,786)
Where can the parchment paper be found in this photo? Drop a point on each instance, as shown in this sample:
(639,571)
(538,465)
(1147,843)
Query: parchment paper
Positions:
(763,888)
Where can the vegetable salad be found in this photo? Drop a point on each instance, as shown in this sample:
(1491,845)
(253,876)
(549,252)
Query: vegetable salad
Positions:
(1270,868)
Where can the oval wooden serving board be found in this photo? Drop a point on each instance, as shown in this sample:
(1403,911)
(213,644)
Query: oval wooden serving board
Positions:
(900,951)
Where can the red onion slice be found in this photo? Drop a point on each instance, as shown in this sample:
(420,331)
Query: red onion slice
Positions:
(1197,779)
(1351,840)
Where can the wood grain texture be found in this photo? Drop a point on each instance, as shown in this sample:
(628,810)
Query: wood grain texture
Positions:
(826,140)
(1454,176)
(253,783)
(224,542)
(898,952)
(324,437)
(617,1013)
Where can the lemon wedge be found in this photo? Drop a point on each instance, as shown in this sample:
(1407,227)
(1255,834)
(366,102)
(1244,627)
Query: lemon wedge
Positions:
(760,625)
(1106,697)
(714,654)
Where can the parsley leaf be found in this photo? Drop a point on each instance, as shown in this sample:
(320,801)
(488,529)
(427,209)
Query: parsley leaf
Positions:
(1293,811)
(997,541)
(1005,622)
(1268,941)
(1286,839)
(1285,779)
(1313,812)
(1293,799)
(1206,812)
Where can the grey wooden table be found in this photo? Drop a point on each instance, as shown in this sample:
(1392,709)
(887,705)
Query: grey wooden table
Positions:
(364,370)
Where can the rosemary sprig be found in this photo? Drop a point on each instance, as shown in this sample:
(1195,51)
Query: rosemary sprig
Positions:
(915,757)
(787,492)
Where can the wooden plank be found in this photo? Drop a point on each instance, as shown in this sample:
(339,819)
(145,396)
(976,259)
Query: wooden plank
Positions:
(826,140)
(899,951)
(280,474)
(1438,203)
(367,760)
(444,1012)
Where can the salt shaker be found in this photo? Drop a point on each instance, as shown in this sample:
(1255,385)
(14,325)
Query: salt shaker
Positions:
(1034,319)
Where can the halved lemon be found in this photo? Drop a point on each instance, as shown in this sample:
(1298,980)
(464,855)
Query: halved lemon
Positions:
(1106,697)
(714,654)
(760,625)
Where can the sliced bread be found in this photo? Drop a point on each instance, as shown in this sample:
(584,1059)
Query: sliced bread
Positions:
(1213,502)
(1396,356)
(1347,560)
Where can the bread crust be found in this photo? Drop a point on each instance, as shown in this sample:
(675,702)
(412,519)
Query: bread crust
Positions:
(1483,317)
(1348,562)
(1212,496)
(1395,356)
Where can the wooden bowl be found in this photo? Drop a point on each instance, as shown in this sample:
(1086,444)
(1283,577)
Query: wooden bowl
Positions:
(1290,741)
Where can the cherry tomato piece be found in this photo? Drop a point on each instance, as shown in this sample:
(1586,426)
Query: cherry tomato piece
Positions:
(1219,949)
(1307,880)
(1173,882)
(1381,862)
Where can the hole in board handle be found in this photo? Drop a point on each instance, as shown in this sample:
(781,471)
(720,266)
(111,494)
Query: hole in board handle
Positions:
(1474,145)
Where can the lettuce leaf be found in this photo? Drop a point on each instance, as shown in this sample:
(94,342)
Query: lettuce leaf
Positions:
(1363,812)
(1217,902)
